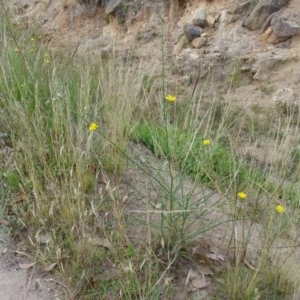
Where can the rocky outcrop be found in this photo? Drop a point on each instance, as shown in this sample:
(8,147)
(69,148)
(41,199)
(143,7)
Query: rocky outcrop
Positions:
(279,29)
(261,64)
(262,11)
(282,28)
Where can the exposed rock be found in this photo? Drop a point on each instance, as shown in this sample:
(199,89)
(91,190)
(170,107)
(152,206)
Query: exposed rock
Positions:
(210,21)
(280,29)
(199,42)
(285,100)
(261,12)
(180,45)
(283,28)
(188,61)
(200,17)
(224,19)
(112,5)
(191,31)
(240,8)
(262,63)
(267,23)
(267,34)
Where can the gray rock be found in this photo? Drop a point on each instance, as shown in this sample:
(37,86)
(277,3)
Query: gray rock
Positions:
(283,28)
(191,31)
(199,19)
(262,11)
(112,5)
(267,23)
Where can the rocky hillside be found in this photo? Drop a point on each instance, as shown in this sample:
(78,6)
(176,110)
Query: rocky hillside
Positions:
(248,47)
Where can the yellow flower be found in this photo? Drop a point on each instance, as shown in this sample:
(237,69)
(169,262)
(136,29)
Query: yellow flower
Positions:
(206,142)
(280,209)
(47,61)
(170,98)
(32,39)
(93,126)
(17,50)
(242,195)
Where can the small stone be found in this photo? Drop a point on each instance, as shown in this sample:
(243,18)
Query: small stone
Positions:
(199,19)
(199,42)
(191,31)
(210,21)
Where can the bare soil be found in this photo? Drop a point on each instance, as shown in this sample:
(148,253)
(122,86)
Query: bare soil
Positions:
(21,280)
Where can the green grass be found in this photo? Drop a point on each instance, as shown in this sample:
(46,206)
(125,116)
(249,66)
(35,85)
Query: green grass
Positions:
(115,236)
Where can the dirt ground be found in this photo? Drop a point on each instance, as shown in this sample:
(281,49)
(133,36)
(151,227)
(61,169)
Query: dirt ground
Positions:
(21,280)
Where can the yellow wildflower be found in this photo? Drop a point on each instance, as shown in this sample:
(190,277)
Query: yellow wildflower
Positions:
(32,39)
(170,98)
(47,61)
(242,195)
(280,209)
(93,126)
(206,142)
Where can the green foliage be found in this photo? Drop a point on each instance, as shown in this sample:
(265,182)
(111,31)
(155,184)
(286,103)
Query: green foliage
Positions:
(213,165)
(13,179)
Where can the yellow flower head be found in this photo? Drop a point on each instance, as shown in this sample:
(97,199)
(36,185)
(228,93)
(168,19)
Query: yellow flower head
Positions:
(170,98)
(32,39)
(280,209)
(93,126)
(242,195)
(206,142)
(47,61)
